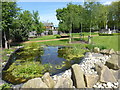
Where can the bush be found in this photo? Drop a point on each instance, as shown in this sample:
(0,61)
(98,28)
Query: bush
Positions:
(5,86)
(57,36)
(104,34)
(50,32)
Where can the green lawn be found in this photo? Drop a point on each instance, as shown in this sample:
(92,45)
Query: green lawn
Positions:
(108,41)
(44,38)
(85,34)
(54,37)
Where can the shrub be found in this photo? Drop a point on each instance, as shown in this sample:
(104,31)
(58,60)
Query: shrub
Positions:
(104,34)
(50,32)
(57,36)
(5,86)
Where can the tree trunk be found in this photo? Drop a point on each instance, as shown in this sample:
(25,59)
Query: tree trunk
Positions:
(81,27)
(90,30)
(6,42)
(70,38)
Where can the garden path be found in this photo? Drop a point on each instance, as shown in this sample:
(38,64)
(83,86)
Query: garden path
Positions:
(53,39)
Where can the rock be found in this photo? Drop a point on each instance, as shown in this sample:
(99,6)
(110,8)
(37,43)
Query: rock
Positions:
(104,51)
(77,76)
(105,75)
(118,52)
(111,51)
(48,80)
(98,68)
(91,80)
(64,83)
(88,55)
(96,49)
(115,73)
(112,63)
(35,83)
(109,84)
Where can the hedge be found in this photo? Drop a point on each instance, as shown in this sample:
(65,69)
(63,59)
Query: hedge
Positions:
(105,34)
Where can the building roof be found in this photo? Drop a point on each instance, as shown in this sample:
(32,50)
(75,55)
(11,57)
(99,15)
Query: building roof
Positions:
(48,24)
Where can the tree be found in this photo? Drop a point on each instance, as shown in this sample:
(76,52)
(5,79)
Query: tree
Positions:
(9,12)
(37,25)
(22,25)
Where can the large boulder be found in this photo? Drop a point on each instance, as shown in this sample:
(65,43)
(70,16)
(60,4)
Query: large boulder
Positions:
(64,82)
(115,73)
(105,75)
(112,63)
(48,80)
(91,80)
(77,76)
(35,83)
(111,51)
(96,49)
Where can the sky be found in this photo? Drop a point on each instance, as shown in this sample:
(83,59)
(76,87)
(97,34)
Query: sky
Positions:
(47,8)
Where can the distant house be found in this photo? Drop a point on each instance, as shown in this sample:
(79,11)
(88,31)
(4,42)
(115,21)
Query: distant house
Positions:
(48,26)
(32,34)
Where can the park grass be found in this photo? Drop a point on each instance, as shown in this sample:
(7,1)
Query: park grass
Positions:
(44,38)
(48,37)
(107,41)
(84,33)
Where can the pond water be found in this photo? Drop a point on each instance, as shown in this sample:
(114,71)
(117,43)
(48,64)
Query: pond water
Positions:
(51,55)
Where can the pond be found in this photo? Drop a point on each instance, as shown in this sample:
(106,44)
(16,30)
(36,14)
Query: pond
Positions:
(53,56)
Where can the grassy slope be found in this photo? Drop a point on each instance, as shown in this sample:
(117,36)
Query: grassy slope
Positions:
(108,41)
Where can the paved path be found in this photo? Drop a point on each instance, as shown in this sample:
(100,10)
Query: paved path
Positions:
(53,39)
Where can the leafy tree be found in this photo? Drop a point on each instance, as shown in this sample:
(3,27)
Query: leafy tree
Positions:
(9,12)
(22,25)
(37,25)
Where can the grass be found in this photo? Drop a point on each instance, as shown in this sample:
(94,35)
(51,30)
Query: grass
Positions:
(54,37)
(44,38)
(85,34)
(107,41)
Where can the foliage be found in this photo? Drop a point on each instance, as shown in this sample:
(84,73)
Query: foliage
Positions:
(37,25)
(4,53)
(28,69)
(22,25)
(30,52)
(104,34)
(91,46)
(5,86)
(89,17)
(50,32)
(57,36)
(9,12)
(71,53)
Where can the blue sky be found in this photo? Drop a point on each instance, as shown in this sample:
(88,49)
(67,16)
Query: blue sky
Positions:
(47,10)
